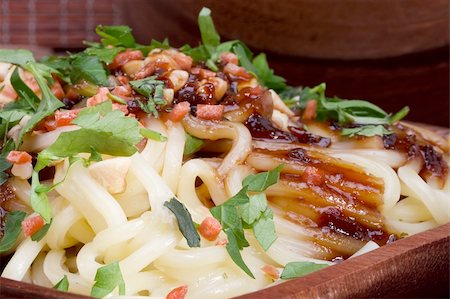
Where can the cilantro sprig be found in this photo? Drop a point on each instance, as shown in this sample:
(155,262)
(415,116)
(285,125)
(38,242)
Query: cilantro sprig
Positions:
(102,131)
(248,209)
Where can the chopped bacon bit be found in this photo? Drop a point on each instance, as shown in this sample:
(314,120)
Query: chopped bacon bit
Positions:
(123,91)
(178,293)
(49,124)
(18,157)
(121,107)
(313,176)
(228,57)
(124,57)
(64,118)
(183,61)
(71,93)
(210,228)
(32,224)
(179,111)
(123,79)
(210,112)
(310,110)
(100,97)
(57,90)
(271,271)
(204,73)
(222,242)
(237,71)
(195,70)
(148,70)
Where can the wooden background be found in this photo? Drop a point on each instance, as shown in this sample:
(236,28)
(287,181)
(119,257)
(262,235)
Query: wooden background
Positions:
(393,53)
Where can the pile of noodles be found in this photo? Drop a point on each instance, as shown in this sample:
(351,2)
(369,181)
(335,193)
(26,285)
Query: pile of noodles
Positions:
(113,210)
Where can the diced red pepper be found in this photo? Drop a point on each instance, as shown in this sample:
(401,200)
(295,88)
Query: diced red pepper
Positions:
(310,110)
(179,111)
(210,112)
(178,293)
(124,57)
(271,271)
(32,224)
(210,228)
(18,157)
(64,118)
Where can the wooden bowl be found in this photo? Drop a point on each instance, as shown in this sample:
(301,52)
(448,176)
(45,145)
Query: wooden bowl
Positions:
(346,29)
(417,266)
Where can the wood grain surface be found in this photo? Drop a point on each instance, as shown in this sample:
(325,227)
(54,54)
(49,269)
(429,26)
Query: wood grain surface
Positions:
(345,29)
(416,266)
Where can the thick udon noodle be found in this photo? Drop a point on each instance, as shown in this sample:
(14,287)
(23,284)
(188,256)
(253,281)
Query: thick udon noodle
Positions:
(113,211)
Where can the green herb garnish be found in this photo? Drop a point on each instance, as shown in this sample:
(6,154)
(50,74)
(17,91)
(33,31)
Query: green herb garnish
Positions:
(192,145)
(62,285)
(107,279)
(299,269)
(12,230)
(248,211)
(153,90)
(185,223)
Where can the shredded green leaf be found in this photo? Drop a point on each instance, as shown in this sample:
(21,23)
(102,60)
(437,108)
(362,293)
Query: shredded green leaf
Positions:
(234,252)
(192,145)
(368,130)
(153,90)
(89,68)
(299,269)
(12,230)
(62,285)
(16,56)
(107,279)
(116,36)
(368,118)
(153,135)
(261,181)
(185,223)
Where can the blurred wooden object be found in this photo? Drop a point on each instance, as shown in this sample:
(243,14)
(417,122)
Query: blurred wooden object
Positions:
(346,29)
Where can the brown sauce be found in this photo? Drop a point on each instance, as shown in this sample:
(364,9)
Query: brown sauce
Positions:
(404,140)
(331,218)
(6,194)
